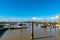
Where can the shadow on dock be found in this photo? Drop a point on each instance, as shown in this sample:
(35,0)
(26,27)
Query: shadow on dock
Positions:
(2,32)
(44,37)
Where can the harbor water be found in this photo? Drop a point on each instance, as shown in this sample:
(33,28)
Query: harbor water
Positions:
(25,34)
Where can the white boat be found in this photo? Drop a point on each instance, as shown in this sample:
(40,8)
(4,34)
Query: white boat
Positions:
(18,26)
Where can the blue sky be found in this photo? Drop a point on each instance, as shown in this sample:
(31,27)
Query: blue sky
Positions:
(29,8)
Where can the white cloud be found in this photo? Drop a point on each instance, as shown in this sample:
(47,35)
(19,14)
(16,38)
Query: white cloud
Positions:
(56,17)
(34,18)
(28,19)
(38,19)
(41,18)
(52,18)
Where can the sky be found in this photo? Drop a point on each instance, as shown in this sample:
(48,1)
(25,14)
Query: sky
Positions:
(29,8)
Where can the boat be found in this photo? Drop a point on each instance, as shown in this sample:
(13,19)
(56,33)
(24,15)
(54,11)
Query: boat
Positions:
(43,26)
(18,26)
(2,28)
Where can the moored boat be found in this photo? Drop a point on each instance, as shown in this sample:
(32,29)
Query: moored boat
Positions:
(2,28)
(18,26)
(43,26)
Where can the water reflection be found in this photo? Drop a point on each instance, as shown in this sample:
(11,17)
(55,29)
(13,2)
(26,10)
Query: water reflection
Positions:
(25,34)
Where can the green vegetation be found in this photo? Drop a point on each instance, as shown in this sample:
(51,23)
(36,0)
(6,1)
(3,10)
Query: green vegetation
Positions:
(33,22)
(42,22)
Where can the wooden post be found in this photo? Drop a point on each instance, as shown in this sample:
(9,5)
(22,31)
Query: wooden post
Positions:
(32,30)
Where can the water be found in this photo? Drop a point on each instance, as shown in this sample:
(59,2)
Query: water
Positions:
(25,34)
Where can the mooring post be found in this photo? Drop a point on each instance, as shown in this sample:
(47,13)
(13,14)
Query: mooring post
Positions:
(32,30)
